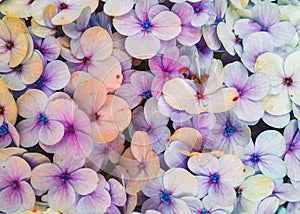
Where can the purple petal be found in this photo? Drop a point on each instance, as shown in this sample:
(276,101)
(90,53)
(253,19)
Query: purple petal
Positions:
(173,157)
(262,145)
(236,75)
(10,199)
(56,75)
(51,132)
(231,169)
(117,192)
(293,167)
(128,24)
(276,121)
(142,8)
(222,193)
(268,205)
(248,110)
(272,166)
(67,163)
(266,14)
(287,192)
(244,27)
(257,87)
(45,176)
(166,25)
(17,168)
(28,130)
(84,181)
(5,180)
(61,197)
(50,48)
(210,36)
(27,194)
(282,33)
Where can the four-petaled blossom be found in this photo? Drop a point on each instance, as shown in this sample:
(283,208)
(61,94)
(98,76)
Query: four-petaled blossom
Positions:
(15,192)
(64,178)
(167,193)
(217,177)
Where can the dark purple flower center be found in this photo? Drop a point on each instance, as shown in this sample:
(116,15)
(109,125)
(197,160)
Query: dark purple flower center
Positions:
(254,158)
(197,9)
(146,94)
(1,109)
(228,129)
(15,184)
(3,129)
(146,25)
(291,148)
(238,192)
(215,177)
(18,68)
(65,177)
(240,92)
(63,6)
(71,129)
(42,118)
(204,211)
(39,83)
(264,28)
(9,45)
(218,20)
(288,81)
(166,197)
(86,61)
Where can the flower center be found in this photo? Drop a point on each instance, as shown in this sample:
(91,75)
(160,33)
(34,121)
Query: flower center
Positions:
(65,177)
(218,20)
(146,26)
(264,28)
(42,118)
(238,39)
(9,45)
(196,9)
(3,129)
(254,158)
(215,177)
(86,61)
(1,109)
(288,81)
(146,94)
(63,6)
(238,192)
(204,211)
(229,129)
(39,83)
(15,184)
(71,129)
(291,147)
(166,197)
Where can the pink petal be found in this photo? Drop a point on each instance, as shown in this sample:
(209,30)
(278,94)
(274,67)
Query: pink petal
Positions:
(17,168)
(56,75)
(128,24)
(84,181)
(5,180)
(117,192)
(166,25)
(118,7)
(138,45)
(243,27)
(61,197)
(10,199)
(28,130)
(45,176)
(51,132)
(96,43)
(27,194)
(222,194)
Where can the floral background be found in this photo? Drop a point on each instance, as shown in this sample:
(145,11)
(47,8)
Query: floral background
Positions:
(147,106)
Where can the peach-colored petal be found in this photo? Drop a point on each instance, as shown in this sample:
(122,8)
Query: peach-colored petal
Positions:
(8,104)
(190,136)
(141,145)
(19,50)
(32,69)
(40,30)
(133,186)
(96,93)
(77,78)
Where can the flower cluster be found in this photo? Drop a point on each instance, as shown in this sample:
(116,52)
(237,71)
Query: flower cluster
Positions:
(149,106)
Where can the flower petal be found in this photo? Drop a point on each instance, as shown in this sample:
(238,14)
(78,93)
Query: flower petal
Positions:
(51,132)
(10,199)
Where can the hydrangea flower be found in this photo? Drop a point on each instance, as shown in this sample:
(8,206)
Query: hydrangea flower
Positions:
(141,163)
(165,67)
(150,120)
(204,13)
(68,11)
(39,126)
(291,156)
(230,134)
(137,89)
(109,114)
(15,192)
(284,81)
(8,106)
(147,24)
(195,97)
(217,177)
(76,140)
(64,178)
(8,133)
(167,192)
(266,18)
(265,156)
(95,57)
(55,76)
(251,90)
